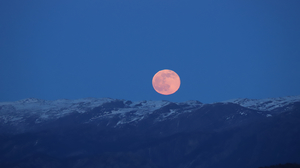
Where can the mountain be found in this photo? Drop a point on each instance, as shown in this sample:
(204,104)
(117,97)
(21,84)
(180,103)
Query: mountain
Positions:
(114,133)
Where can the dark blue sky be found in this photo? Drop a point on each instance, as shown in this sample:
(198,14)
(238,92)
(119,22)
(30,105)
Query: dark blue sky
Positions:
(112,48)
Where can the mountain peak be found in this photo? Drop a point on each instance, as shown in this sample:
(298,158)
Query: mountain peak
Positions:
(30,100)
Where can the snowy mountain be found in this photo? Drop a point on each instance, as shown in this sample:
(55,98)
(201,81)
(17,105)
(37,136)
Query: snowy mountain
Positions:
(270,104)
(109,132)
(42,110)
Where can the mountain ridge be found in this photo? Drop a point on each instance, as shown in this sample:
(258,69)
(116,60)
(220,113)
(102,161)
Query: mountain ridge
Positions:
(47,110)
(109,132)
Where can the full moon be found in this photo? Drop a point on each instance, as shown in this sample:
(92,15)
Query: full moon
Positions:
(166,82)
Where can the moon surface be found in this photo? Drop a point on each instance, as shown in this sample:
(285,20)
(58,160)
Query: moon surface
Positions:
(166,82)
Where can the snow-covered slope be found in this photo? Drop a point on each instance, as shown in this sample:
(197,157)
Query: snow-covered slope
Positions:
(39,111)
(20,110)
(268,104)
(42,110)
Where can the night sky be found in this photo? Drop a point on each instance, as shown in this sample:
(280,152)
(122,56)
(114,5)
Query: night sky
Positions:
(112,48)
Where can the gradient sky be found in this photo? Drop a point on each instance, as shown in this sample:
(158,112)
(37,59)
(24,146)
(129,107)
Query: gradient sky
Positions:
(112,48)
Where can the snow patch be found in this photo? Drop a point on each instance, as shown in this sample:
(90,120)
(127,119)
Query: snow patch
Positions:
(268,104)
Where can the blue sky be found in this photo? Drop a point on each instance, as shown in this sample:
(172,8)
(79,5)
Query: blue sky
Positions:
(220,49)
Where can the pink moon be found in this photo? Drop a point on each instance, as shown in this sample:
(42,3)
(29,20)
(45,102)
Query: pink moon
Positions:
(166,82)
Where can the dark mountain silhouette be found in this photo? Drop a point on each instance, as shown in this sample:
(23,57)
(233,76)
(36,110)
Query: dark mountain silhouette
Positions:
(287,165)
(149,134)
